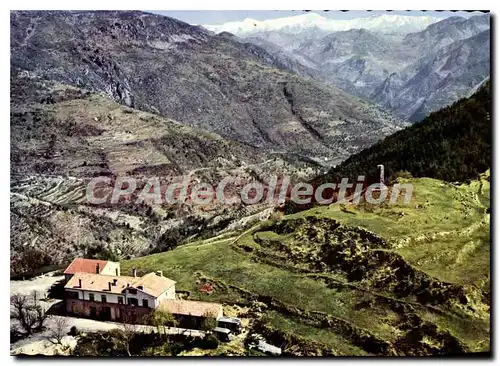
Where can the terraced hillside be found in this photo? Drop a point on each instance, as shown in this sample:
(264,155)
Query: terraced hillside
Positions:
(62,136)
(343,280)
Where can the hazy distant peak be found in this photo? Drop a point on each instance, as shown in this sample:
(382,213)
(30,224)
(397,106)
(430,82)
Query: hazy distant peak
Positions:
(385,23)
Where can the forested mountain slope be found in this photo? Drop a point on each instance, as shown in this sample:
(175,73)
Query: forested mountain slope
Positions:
(452,144)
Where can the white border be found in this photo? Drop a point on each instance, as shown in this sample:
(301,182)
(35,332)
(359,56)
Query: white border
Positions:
(206,5)
(254,5)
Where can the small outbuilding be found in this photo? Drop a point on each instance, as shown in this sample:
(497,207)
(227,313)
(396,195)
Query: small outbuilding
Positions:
(192,314)
(233,324)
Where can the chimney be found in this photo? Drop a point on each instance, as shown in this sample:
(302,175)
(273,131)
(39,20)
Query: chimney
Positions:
(134,272)
(109,286)
(115,281)
(80,283)
(159,273)
(97,268)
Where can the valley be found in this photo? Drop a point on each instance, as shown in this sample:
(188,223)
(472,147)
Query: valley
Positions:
(166,67)
(58,146)
(131,97)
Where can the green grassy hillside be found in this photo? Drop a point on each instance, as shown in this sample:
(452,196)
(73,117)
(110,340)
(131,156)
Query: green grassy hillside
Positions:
(389,280)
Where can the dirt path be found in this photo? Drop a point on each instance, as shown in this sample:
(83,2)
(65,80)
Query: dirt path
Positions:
(231,239)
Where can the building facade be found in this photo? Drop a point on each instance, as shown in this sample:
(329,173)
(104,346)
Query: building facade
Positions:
(117,298)
(94,289)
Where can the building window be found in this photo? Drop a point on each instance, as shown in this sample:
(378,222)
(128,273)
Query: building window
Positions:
(103,298)
(120,300)
(91,297)
(145,303)
(73,295)
(133,301)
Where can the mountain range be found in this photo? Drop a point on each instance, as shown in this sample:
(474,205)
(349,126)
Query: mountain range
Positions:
(384,23)
(148,98)
(164,66)
(131,93)
(409,71)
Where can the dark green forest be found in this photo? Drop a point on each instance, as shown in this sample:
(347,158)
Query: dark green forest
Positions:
(452,144)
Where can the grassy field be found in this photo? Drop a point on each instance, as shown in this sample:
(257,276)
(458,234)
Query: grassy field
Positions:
(325,336)
(440,239)
(444,230)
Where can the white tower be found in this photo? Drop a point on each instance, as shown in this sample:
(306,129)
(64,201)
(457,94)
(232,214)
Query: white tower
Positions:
(380,168)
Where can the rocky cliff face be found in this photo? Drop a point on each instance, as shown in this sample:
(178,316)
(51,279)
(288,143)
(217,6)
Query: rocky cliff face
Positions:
(438,79)
(447,31)
(168,67)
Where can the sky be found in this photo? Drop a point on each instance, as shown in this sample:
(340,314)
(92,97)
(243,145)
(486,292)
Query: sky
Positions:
(219,17)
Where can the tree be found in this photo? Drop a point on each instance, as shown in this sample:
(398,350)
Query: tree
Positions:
(405,174)
(73,331)
(57,331)
(30,315)
(124,336)
(161,318)
(209,322)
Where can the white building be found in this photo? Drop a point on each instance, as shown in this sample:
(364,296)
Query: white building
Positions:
(115,297)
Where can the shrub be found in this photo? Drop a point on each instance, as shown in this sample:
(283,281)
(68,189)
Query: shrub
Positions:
(276,216)
(73,331)
(211,341)
(209,322)
(403,174)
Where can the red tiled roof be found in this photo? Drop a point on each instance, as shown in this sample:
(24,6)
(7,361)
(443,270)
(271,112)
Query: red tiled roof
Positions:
(85,265)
